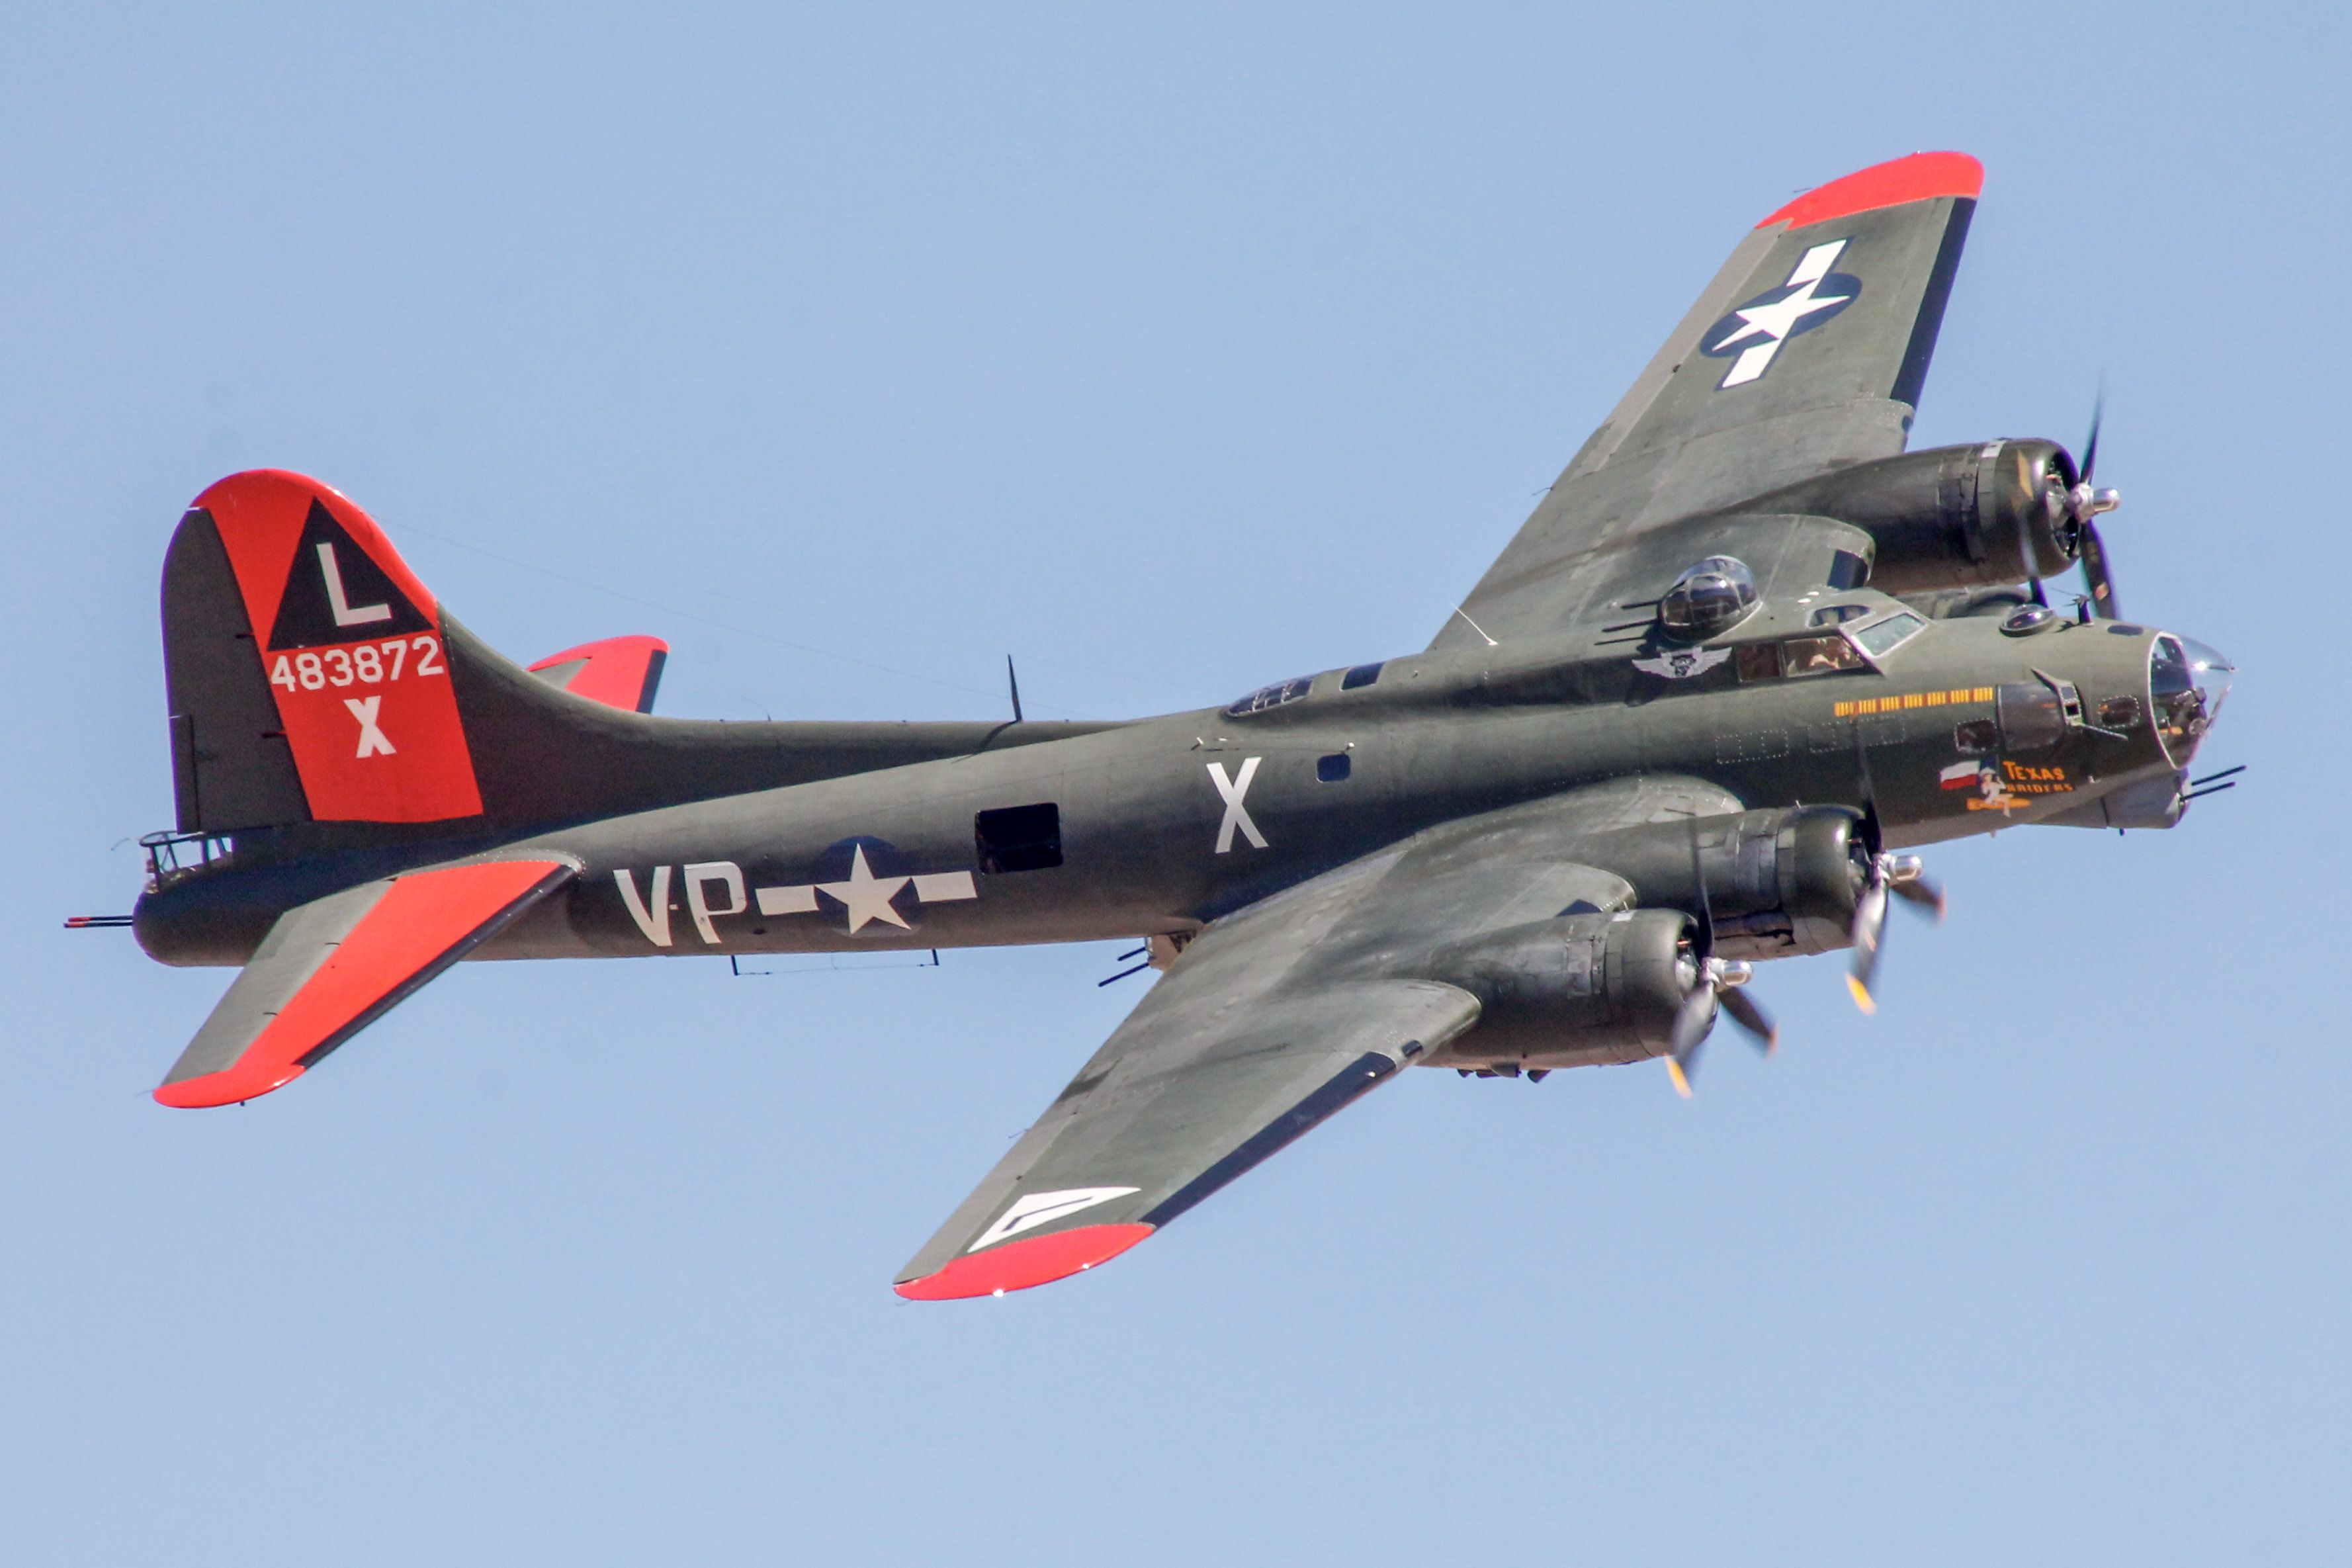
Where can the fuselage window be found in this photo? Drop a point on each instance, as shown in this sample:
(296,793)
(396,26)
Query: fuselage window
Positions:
(1274,696)
(1362,675)
(1758,660)
(1333,768)
(1019,837)
(1835,615)
(1977,738)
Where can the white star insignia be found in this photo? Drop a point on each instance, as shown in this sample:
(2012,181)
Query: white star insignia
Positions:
(1764,327)
(1778,320)
(865,896)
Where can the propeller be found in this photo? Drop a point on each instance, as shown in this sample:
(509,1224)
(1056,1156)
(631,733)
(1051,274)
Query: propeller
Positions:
(2087,503)
(1717,989)
(1898,876)
(1716,985)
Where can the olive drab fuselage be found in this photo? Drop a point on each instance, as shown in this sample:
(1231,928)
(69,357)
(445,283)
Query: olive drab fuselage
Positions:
(1159,826)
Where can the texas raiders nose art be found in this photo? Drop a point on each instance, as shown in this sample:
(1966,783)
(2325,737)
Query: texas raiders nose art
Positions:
(1755,332)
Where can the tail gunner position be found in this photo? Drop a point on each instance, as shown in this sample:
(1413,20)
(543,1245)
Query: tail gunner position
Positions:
(1745,651)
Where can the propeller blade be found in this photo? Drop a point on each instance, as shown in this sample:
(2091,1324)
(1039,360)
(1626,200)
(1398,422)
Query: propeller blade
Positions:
(1869,928)
(1906,879)
(2091,445)
(1920,893)
(2096,575)
(1693,1020)
(1749,1017)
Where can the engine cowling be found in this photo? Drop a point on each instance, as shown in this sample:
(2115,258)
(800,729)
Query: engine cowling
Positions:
(1779,883)
(1786,882)
(1574,990)
(1951,517)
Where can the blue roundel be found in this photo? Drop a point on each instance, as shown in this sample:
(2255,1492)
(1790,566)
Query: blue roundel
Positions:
(1758,325)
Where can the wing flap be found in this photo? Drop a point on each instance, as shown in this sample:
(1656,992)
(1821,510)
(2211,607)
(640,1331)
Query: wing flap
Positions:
(330,967)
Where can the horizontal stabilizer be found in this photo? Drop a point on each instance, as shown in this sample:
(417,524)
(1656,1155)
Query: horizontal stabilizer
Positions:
(620,672)
(330,968)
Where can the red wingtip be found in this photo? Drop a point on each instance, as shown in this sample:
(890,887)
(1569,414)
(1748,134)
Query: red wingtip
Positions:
(1018,1264)
(232,1087)
(1917,178)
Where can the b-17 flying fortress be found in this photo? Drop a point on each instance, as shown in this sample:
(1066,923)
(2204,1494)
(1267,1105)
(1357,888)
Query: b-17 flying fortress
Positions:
(1746,653)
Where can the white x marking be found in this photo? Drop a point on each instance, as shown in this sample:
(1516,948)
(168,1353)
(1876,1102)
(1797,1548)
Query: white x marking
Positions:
(1236,813)
(371,741)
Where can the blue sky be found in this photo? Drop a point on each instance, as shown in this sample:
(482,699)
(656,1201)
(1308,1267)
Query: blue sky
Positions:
(1170,351)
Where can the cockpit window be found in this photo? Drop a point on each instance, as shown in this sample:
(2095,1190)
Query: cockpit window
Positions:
(1880,639)
(1818,656)
(1274,696)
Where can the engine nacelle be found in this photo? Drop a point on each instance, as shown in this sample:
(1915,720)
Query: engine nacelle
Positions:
(1951,517)
(1786,882)
(1575,990)
(1779,883)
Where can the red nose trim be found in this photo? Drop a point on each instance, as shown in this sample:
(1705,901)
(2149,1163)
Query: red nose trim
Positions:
(1918,178)
(1018,1264)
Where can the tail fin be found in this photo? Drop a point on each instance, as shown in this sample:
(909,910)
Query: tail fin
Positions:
(313,679)
(307,667)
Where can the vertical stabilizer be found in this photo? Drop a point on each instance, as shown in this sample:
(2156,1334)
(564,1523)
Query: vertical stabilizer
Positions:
(306,667)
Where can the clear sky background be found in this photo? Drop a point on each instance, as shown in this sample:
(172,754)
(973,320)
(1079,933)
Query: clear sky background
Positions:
(1171,351)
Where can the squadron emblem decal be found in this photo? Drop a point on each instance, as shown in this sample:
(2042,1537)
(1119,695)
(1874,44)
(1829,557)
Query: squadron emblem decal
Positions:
(1755,332)
(1682,663)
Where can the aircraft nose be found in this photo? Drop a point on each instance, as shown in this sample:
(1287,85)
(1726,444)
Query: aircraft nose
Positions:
(2187,683)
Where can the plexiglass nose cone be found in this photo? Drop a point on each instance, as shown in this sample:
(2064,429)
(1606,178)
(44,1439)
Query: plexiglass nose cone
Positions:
(2187,683)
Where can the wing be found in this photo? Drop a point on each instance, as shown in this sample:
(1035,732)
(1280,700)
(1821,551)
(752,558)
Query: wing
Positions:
(1807,353)
(330,968)
(1276,1018)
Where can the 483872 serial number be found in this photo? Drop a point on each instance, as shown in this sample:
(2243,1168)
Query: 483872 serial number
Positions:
(368,664)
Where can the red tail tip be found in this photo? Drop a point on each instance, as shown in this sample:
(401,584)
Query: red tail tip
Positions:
(1917,178)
